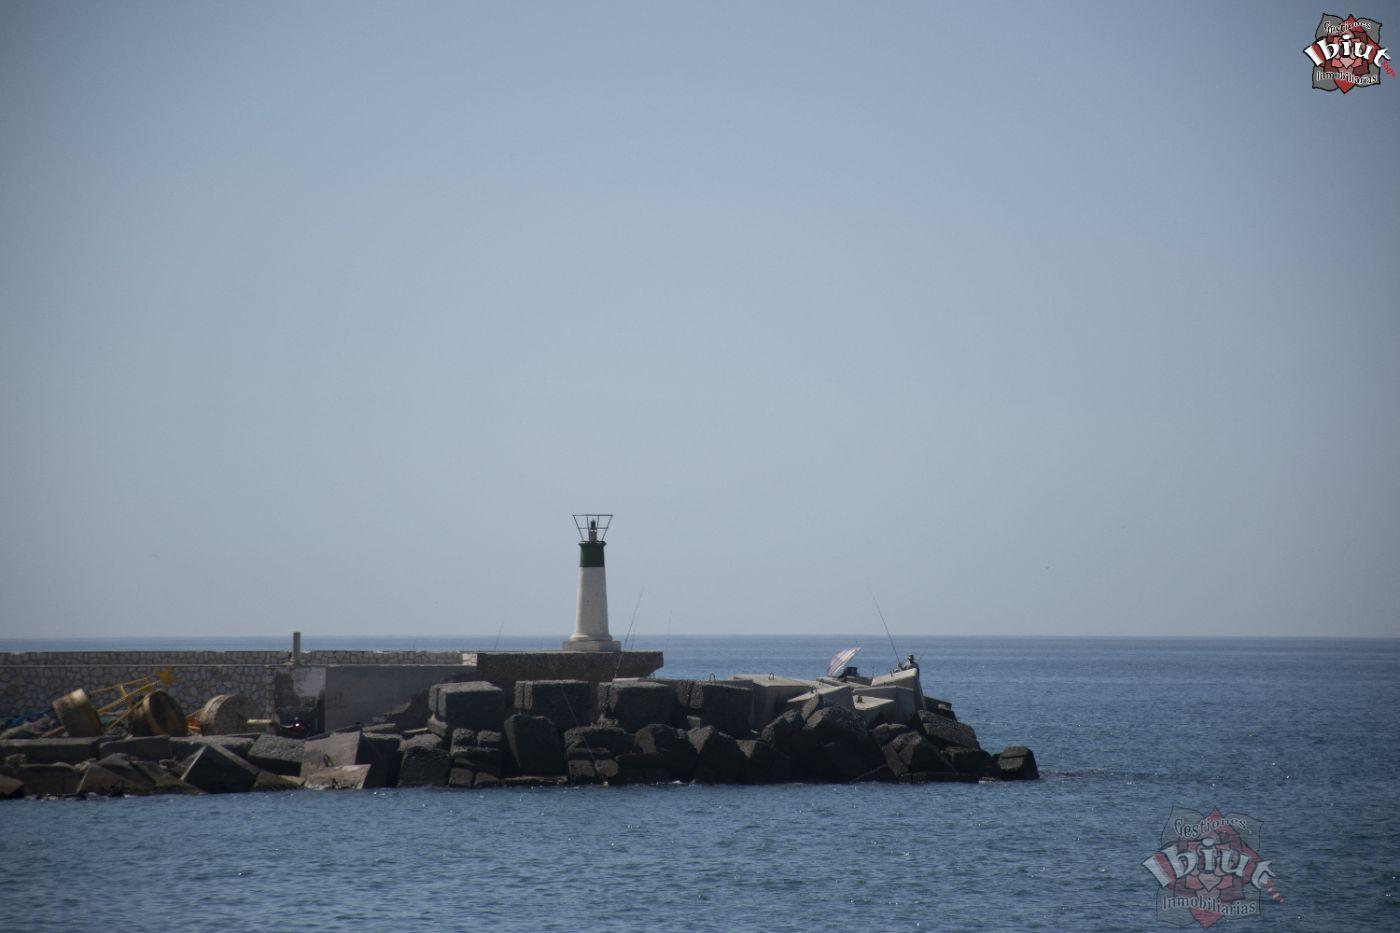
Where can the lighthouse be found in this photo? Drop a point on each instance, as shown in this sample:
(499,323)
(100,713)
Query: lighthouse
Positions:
(591,618)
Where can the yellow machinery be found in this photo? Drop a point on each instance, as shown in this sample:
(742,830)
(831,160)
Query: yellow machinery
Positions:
(142,704)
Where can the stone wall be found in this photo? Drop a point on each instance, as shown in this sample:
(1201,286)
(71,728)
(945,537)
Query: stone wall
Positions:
(31,681)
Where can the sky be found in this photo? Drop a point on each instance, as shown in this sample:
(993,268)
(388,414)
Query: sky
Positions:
(1046,319)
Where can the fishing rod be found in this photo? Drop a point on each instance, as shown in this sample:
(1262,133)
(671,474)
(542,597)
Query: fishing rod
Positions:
(881,613)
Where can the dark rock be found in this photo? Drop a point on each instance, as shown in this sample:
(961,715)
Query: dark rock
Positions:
(934,777)
(382,728)
(535,780)
(411,715)
(888,732)
(719,759)
(566,703)
(490,739)
(534,745)
(57,779)
(216,770)
(439,728)
(276,753)
(475,705)
(51,751)
(912,752)
(842,761)
(944,732)
(148,747)
(941,707)
(882,775)
(783,729)
(582,772)
(162,780)
(338,777)
(483,779)
(765,764)
(678,756)
(126,769)
(613,739)
(838,724)
(424,767)
(1017,763)
(809,709)
(972,761)
(460,777)
(636,703)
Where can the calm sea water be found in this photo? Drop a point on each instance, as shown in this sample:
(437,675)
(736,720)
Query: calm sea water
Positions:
(1301,734)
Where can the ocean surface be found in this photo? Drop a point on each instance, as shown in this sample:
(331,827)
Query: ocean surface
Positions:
(1299,734)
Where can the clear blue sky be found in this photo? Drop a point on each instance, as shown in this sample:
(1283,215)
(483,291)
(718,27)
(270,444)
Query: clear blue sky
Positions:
(1055,320)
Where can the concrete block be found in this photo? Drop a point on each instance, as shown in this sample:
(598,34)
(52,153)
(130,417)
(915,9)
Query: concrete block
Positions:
(678,755)
(51,751)
(719,760)
(566,703)
(1017,763)
(910,751)
(146,747)
(343,749)
(424,767)
(770,694)
(972,761)
(726,706)
(10,788)
(57,779)
(611,739)
(534,745)
(278,754)
(460,777)
(338,777)
(945,732)
(216,770)
(764,764)
(475,705)
(270,781)
(636,703)
(98,780)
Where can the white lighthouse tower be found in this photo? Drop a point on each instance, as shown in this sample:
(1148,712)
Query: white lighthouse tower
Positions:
(591,624)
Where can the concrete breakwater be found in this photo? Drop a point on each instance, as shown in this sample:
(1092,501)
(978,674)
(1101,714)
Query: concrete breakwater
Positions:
(475,734)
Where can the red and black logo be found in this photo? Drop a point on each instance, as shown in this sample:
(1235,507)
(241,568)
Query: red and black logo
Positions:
(1347,53)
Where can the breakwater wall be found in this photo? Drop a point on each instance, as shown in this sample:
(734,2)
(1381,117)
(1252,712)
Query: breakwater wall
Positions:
(30,681)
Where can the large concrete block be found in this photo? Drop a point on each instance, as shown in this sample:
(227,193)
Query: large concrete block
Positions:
(216,770)
(1017,763)
(566,703)
(343,749)
(278,754)
(611,739)
(771,693)
(910,751)
(945,732)
(57,779)
(473,705)
(719,760)
(424,767)
(338,777)
(636,703)
(51,751)
(726,706)
(764,764)
(534,745)
(146,747)
(99,780)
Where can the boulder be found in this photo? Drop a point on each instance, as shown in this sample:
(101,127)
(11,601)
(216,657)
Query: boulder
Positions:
(460,777)
(912,752)
(57,779)
(535,780)
(51,751)
(566,703)
(718,758)
(337,777)
(269,781)
(216,770)
(424,767)
(611,738)
(534,744)
(487,738)
(278,754)
(944,732)
(842,762)
(888,732)
(439,728)
(127,769)
(582,771)
(972,761)
(10,787)
(475,704)
(764,764)
(147,747)
(385,758)
(461,738)
(411,715)
(1017,763)
(838,724)
(161,780)
(636,703)
(882,775)
(678,756)
(344,749)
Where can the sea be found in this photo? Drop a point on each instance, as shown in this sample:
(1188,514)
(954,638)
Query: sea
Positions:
(1299,737)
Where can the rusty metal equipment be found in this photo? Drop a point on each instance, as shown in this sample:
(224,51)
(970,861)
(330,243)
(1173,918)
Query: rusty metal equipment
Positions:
(142,704)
